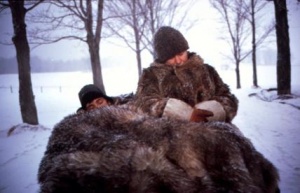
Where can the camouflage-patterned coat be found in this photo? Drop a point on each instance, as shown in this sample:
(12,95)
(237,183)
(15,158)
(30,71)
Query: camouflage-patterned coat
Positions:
(192,83)
(115,150)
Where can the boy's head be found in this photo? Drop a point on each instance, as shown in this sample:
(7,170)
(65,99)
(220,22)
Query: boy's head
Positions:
(91,96)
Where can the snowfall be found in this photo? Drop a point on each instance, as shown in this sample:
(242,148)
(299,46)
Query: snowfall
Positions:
(272,124)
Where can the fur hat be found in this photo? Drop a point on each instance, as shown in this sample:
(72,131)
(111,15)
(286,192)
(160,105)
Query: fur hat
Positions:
(168,42)
(90,92)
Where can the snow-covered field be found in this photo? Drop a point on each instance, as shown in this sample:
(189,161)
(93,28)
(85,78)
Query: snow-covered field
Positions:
(273,127)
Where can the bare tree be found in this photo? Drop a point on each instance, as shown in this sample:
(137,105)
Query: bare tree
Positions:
(136,21)
(253,8)
(171,13)
(72,20)
(283,48)
(128,24)
(234,15)
(18,11)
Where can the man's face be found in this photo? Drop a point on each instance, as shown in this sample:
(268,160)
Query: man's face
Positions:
(178,59)
(97,103)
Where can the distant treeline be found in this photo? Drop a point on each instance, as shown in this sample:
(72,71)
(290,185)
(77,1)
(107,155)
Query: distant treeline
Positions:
(10,65)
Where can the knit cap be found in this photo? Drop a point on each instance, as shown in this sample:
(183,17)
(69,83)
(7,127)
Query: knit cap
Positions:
(90,92)
(168,42)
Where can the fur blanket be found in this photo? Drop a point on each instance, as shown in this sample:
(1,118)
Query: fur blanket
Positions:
(116,150)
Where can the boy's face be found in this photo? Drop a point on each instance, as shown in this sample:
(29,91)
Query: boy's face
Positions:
(178,59)
(97,103)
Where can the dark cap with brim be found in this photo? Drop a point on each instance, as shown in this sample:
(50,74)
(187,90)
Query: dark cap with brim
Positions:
(90,92)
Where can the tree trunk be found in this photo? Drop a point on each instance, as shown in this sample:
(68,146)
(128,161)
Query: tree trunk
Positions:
(26,97)
(96,65)
(237,63)
(137,38)
(283,48)
(238,79)
(139,62)
(93,41)
(138,52)
(253,44)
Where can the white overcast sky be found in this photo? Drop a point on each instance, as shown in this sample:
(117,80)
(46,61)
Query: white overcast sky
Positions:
(204,39)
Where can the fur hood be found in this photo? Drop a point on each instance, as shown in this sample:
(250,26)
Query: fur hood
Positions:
(116,150)
(192,82)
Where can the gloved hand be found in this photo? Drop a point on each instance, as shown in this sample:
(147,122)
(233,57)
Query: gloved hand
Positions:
(200,115)
(215,107)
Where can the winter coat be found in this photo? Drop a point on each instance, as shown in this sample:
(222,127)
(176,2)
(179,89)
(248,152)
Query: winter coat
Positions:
(115,150)
(192,82)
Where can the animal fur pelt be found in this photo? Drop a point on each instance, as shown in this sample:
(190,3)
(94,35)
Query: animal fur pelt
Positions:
(116,150)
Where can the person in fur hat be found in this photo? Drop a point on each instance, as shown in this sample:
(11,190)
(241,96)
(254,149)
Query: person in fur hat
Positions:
(116,150)
(179,84)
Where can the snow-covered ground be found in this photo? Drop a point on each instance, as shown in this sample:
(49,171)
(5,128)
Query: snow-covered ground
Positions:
(273,127)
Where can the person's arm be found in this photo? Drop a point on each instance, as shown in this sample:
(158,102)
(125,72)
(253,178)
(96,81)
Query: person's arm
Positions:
(223,95)
(150,100)
(148,95)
